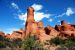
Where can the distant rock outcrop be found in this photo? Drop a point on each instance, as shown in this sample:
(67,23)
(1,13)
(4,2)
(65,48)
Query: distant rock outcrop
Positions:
(7,36)
(17,34)
(66,29)
(2,34)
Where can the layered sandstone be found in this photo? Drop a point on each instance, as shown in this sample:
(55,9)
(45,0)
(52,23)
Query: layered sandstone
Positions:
(17,34)
(51,31)
(66,29)
(42,35)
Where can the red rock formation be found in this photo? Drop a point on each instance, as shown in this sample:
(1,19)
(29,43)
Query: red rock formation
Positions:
(30,15)
(37,28)
(2,34)
(7,36)
(42,35)
(31,25)
(17,34)
(65,28)
(53,32)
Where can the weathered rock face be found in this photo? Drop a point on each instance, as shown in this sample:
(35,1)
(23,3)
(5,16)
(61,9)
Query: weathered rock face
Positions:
(2,34)
(31,25)
(51,32)
(14,35)
(30,15)
(7,36)
(67,29)
(42,35)
(17,34)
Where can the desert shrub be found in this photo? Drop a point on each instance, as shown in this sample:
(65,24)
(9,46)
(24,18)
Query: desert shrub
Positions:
(2,38)
(31,43)
(2,45)
(18,42)
(7,39)
(68,43)
(72,39)
(57,41)
(61,49)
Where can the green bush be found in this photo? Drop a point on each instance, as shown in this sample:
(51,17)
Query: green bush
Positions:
(31,43)
(2,45)
(72,39)
(57,41)
(2,38)
(18,42)
(61,48)
(67,43)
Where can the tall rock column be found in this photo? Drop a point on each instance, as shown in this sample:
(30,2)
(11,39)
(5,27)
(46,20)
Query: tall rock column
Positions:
(31,25)
(30,15)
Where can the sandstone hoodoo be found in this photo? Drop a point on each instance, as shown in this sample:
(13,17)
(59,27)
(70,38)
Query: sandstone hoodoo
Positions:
(37,28)
(31,25)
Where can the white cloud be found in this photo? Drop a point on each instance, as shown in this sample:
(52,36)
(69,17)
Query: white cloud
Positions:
(37,14)
(40,15)
(60,15)
(50,19)
(37,7)
(69,11)
(23,16)
(15,5)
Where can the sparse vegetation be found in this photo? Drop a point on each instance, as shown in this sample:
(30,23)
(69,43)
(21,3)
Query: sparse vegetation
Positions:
(6,42)
(68,43)
(5,48)
(2,45)
(57,41)
(31,43)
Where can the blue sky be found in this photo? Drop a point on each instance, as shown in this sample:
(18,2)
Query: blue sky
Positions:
(50,12)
